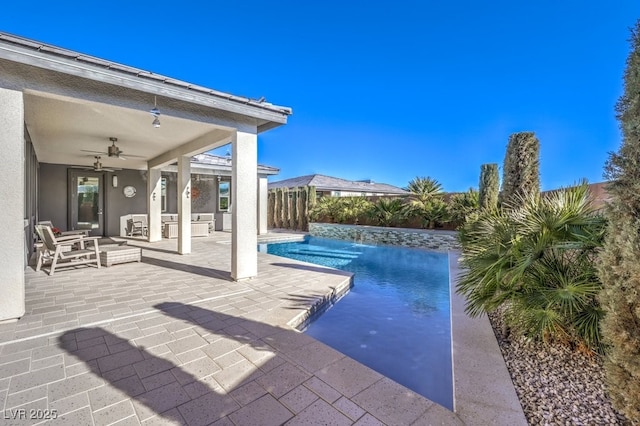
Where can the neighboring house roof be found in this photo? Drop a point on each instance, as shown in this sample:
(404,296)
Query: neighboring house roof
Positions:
(328,183)
(218,164)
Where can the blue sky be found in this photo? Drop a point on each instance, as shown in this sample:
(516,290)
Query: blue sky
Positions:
(381,90)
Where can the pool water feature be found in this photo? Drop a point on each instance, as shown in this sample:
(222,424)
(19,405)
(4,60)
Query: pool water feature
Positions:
(395,319)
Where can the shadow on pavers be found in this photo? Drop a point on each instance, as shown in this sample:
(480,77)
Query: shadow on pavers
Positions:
(189,392)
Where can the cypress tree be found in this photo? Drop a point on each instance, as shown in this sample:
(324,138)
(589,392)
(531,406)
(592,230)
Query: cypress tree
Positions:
(521,170)
(489,186)
(270,207)
(300,208)
(293,215)
(311,201)
(618,267)
(285,207)
(277,208)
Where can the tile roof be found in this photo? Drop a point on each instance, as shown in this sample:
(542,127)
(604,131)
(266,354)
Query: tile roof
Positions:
(328,183)
(54,51)
(224,163)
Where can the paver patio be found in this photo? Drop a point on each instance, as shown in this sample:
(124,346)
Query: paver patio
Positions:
(172,340)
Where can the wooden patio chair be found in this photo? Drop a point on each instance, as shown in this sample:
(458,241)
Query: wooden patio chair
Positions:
(65,233)
(66,251)
(136,227)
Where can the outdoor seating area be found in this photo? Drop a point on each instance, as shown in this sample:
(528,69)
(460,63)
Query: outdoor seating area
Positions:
(64,251)
(198,229)
(136,225)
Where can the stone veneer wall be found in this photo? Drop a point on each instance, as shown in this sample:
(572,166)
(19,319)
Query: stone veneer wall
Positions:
(407,237)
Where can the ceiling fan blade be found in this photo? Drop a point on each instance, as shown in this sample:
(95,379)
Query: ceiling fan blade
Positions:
(95,152)
(130,155)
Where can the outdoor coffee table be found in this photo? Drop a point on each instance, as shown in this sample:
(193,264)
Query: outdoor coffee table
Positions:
(110,255)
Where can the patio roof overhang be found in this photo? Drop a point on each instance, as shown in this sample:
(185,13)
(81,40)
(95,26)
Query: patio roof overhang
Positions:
(74,103)
(62,106)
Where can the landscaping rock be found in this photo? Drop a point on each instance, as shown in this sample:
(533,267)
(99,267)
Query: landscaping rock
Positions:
(556,385)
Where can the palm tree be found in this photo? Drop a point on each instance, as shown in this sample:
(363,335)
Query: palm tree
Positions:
(325,210)
(424,187)
(352,209)
(461,205)
(387,211)
(425,201)
(535,259)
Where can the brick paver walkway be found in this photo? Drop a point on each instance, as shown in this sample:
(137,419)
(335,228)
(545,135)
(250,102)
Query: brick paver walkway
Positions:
(172,340)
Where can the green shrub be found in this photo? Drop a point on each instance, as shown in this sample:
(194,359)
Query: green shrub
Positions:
(351,210)
(619,263)
(387,211)
(489,186)
(425,202)
(461,206)
(536,260)
(521,170)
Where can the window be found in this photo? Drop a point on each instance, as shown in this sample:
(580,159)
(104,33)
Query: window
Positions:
(223,196)
(163,192)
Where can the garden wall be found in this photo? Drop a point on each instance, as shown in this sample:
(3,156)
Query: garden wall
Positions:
(422,238)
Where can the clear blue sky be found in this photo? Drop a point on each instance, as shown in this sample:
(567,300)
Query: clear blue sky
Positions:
(386,90)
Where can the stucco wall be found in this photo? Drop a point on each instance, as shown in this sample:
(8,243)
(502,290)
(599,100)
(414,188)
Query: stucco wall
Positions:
(422,238)
(53,196)
(54,204)
(12,194)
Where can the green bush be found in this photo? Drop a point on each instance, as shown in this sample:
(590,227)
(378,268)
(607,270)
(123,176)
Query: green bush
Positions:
(387,212)
(425,202)
(521,170)
(619,263)
(461,206)
(536,260)
(351,210)
(489,186)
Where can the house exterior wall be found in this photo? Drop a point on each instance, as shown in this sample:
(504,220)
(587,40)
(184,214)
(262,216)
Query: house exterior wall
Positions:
(53,197)
(263,195)
(54,205)
(12,193)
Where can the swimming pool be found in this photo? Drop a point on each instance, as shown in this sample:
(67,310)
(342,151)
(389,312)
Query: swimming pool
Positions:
(395,319)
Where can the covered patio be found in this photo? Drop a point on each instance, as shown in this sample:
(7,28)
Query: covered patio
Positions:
(60,111)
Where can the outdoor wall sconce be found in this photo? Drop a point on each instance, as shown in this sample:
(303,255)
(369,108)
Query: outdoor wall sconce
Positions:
(114,181)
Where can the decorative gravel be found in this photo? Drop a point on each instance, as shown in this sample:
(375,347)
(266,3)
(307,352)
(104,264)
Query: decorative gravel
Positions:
(556,386)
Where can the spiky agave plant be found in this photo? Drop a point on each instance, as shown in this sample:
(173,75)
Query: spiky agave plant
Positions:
(425,201)
(536,259)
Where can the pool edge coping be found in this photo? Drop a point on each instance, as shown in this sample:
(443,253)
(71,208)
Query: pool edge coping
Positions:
(483,392)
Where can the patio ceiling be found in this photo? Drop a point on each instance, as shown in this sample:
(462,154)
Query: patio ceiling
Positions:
(62,127)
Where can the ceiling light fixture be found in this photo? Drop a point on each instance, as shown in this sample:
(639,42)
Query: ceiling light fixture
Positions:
(156,113)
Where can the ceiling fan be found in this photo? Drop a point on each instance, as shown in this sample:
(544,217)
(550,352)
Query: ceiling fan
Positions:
(97,166)
(112,150)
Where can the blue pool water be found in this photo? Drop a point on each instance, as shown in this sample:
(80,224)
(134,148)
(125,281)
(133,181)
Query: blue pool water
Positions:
(396,317)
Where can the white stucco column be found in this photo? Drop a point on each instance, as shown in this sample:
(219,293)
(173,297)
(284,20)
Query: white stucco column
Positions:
(263,193)
(244,240)
(184,204)
(12,225)
(154,204)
